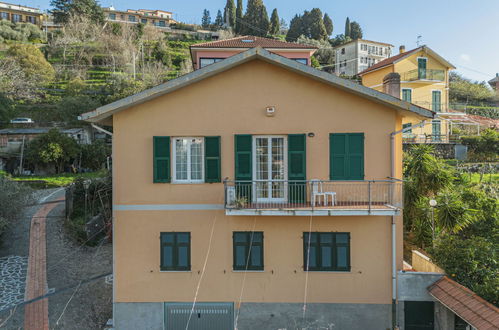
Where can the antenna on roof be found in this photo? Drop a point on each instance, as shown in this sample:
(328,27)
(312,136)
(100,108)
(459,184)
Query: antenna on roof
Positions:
(419,40)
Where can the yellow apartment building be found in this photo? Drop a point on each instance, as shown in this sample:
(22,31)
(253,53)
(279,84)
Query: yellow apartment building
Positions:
(257,193)
(424,82)
(21,14)
(157,18)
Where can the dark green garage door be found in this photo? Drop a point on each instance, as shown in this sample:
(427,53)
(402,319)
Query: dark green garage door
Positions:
(419,315)
(206,316)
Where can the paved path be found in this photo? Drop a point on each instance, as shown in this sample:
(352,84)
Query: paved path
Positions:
(36,313)
(12,280)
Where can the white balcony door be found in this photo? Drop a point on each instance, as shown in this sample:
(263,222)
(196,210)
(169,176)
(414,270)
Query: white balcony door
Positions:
(270,168)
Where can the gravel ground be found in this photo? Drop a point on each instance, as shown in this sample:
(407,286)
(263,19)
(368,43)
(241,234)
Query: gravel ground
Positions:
(87,306)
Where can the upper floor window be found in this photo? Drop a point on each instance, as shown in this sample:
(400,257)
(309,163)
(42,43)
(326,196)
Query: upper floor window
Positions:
(175,251)
(248,250)
(143,20)
(131,18)
(188,160)
(31,19)
(162,23)
(301,60)
(326,251)
(16,18)
(207,61)
(112,16)
(4,15)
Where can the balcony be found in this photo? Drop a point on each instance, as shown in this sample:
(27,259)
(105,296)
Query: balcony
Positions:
(410,138)
(313,197)
(424,74)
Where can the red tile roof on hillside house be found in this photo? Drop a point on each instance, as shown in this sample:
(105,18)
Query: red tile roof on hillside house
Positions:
(387,61)
(251,42)
(465,303)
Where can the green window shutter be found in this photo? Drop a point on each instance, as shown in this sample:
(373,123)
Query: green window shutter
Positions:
(212,160)
(161,161)
(355,158)
(243,154)
(337,157)
(346,156)
(297,167)
(243,145)
(407,95)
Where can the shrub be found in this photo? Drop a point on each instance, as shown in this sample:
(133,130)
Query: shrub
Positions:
(13,197)
(484,147)
(94,155)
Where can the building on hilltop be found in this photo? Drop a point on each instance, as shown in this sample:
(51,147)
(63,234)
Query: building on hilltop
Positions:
(20,14)
(157,18)
(358,55)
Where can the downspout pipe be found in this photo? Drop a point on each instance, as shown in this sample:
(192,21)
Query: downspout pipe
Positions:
(394,224)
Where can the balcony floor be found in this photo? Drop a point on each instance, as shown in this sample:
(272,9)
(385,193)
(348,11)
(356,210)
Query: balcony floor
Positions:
(308,210)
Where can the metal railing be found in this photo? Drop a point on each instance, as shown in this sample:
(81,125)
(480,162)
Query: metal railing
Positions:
(430,138)
(427,74)
(313,194)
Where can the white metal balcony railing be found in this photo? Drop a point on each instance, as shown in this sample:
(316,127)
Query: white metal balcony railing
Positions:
(430,138)
(313,197)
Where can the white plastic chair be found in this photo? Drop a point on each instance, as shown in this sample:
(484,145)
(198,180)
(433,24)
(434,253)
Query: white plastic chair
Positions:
(318,191)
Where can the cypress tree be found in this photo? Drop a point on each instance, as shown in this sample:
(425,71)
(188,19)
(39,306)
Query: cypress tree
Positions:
(239,16)
(206,20)
(60,10)
(328,23)
(316,27)
(219,20)
(355,30)
(295,29)
(275,26)
(230,14)
(256,19)
(347,27)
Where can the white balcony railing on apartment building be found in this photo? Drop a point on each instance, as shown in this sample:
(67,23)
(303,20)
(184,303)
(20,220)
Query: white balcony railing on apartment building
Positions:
(313,197)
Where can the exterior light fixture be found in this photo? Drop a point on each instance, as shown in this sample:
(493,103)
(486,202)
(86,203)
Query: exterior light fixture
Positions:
(311,134)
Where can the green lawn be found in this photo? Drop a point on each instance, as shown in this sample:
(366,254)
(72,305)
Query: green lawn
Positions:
(59,180)
(475,178)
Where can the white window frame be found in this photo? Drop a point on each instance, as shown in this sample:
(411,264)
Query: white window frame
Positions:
(254,169)
(174,160)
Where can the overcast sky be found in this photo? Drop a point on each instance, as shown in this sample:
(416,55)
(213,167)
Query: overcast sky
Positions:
(465,32)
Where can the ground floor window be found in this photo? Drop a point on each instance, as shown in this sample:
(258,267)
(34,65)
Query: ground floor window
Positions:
(326,251)
(176,251)
(248,250)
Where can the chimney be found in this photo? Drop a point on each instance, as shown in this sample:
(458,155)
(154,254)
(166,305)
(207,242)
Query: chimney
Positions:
(402,49)
(391,84)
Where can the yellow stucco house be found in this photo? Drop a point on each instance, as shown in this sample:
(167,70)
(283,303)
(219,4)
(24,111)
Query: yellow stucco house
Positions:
(425,82)
(257,193)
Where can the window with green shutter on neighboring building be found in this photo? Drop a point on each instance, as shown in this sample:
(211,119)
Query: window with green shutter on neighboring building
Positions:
(175,251)
(346,156)
(407,94)
(248,250)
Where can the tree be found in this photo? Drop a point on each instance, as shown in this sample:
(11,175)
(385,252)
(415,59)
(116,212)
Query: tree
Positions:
(324,56)
(355,31)
(340,39)
(315,25)
(52,148)
(256,19)
(206,20)
(328,23)
(32,62)
(471,262)
(6,109)
(295,29)
(230,14)
(347,27)
(274,23)
(94,155)
(219,20)
(463,90)
(239,16)
(63,9)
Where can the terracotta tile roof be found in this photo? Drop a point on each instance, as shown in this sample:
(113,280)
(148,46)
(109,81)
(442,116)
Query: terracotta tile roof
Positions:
(251,42)
(466,304)
(387,61)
